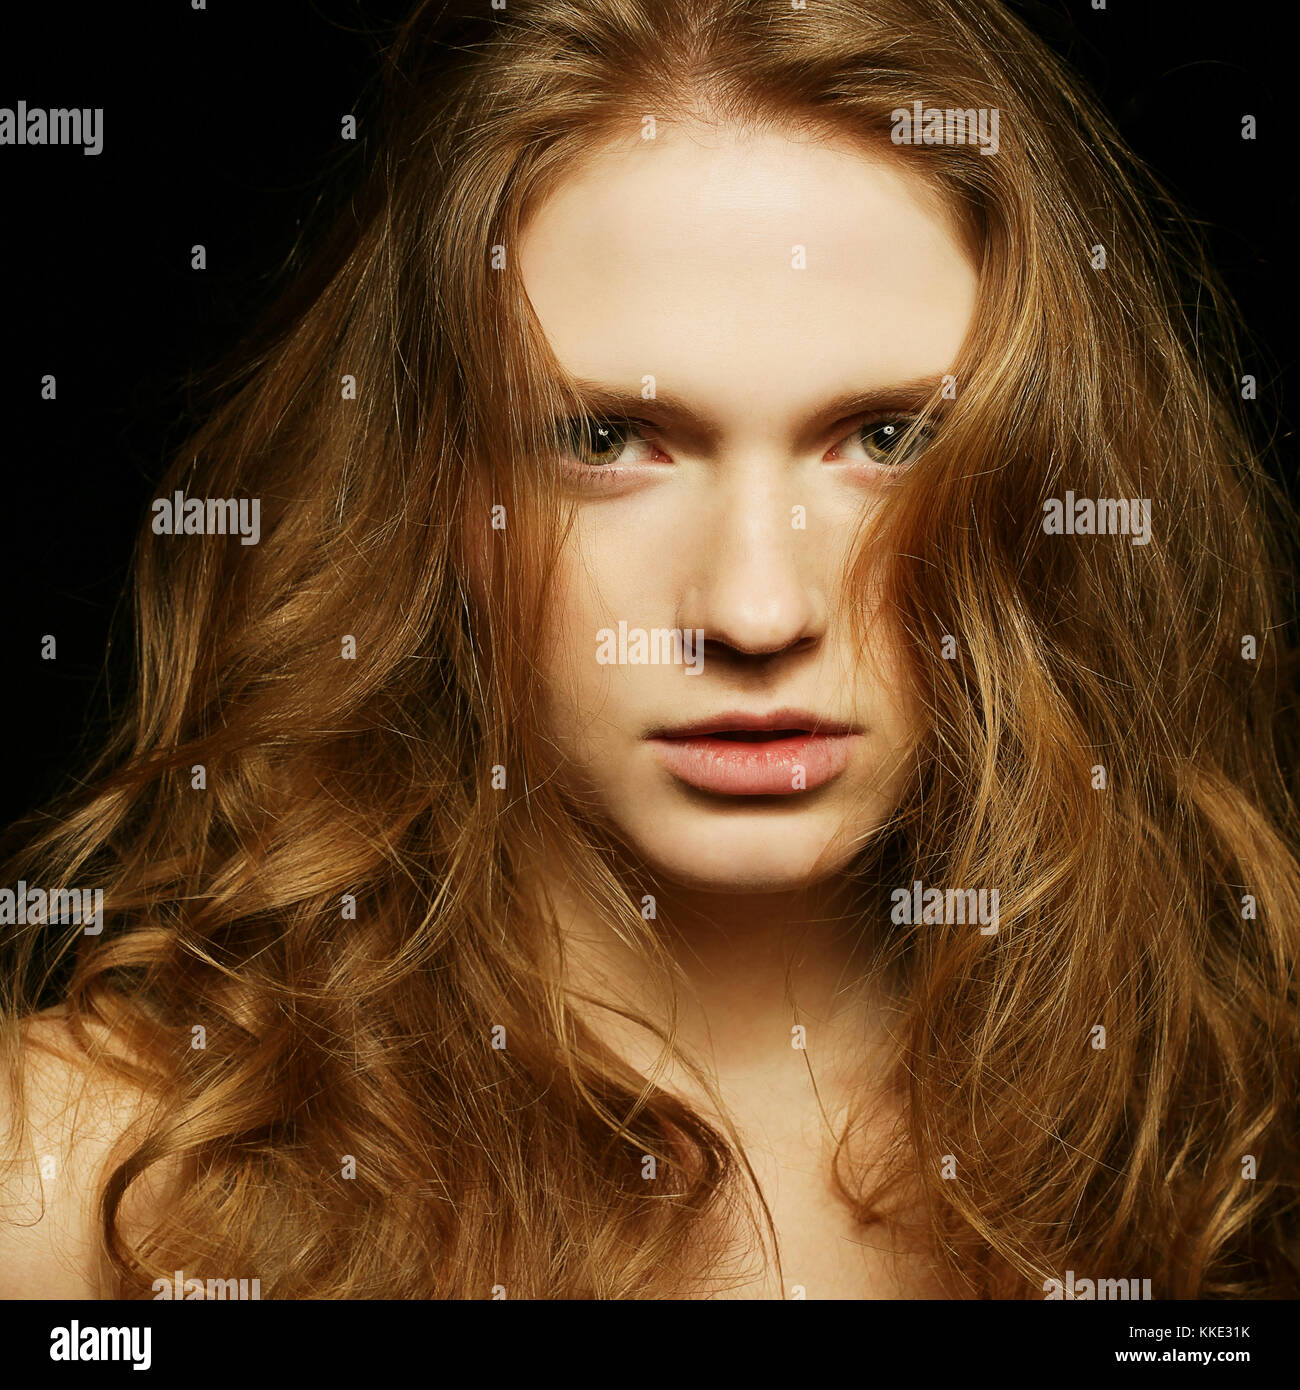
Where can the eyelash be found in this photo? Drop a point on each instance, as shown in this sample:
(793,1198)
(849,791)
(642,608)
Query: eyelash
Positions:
(643,429)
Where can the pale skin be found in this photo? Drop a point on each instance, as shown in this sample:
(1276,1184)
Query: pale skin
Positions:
(79,1121)
(674,258)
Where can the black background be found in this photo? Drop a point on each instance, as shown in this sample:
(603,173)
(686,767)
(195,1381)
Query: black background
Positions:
(222,127)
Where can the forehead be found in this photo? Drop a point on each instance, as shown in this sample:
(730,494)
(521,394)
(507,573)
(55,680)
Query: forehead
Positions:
(680,258)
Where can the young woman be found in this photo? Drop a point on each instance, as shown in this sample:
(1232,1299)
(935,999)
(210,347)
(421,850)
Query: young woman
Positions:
(748,755)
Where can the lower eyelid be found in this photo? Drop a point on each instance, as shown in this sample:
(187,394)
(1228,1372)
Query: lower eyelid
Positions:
(599,475)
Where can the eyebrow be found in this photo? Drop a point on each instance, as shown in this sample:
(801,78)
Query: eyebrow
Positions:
(603,401)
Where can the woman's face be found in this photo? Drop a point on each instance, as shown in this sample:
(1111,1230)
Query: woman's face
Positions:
(765,309)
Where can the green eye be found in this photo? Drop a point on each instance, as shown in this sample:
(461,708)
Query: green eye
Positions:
(594,443)
(883,439)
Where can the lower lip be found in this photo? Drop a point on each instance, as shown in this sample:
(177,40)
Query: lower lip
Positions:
(768,768)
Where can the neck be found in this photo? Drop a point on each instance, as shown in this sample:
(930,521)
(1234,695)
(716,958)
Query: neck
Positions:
(749,968)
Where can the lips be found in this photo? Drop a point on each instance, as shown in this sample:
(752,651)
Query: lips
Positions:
(745,754)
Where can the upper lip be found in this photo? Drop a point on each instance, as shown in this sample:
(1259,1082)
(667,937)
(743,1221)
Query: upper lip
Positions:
(740,721)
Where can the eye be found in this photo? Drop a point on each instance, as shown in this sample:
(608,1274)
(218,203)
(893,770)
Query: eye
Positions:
(598,444)
(889,442)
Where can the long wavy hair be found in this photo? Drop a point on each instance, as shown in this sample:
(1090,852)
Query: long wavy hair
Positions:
(308,946)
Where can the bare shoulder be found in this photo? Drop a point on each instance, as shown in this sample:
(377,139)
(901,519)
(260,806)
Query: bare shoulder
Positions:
(71,1118)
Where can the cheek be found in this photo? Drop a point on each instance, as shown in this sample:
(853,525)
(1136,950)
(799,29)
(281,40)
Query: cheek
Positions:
(579,693)
(874,660)
(884,693)
(605,573)
(568,675)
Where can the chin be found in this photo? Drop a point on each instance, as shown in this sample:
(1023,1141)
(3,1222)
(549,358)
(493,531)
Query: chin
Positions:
(750,848)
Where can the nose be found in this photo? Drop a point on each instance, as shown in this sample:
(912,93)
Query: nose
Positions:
(754,587)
